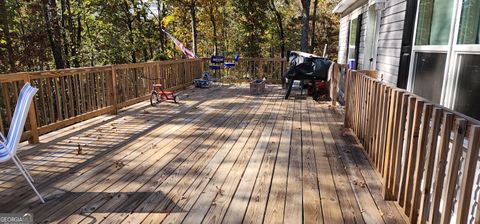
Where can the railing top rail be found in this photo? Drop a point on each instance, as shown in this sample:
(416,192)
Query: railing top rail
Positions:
(471,121)
(19,76)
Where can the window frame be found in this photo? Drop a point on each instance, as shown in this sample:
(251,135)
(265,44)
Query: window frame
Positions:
(448,49)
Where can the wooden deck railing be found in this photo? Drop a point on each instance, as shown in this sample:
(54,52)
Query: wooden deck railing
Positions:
(69,96)
(426,154)
(251,68)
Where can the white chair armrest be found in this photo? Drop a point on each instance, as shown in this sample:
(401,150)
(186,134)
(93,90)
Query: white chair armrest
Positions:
(3,141)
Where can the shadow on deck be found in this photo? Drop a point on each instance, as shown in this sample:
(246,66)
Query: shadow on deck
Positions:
(220,155)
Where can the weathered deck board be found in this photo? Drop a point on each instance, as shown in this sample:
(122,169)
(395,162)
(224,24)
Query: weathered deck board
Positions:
(234,158)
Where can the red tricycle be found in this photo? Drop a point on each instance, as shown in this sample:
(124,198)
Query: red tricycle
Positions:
(158,95)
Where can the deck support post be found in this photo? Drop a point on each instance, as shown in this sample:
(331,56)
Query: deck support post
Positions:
(334,83)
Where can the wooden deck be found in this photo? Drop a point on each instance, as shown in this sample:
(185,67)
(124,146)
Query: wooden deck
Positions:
(219,156)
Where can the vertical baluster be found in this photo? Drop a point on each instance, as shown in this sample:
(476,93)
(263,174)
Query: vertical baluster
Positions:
(50,101)
(440,168)
(41,105)
(76,86)
(428,164)
(459,129)
(395,100)
(414,137)
(63,92)
(98,100)
(468,176)
(399,142)
(58,99)
(71,95)
(7,102)
(83,92)
(383,131)
(419,156)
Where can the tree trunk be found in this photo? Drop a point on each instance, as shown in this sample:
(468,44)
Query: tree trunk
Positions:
(64,33)
(75,34)
(214,25)
(281,32)
(314,20)
(193,13)
(6,32)
(129,23)
(305,22)
(160,25)
(53,32)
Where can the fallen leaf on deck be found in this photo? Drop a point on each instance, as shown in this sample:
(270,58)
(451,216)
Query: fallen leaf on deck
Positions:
(79,149)
(220,191)
(363,184)
(119,164)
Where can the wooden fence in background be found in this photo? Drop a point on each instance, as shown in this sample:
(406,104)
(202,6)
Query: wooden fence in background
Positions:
(69,96)
(426,154)
(252,68)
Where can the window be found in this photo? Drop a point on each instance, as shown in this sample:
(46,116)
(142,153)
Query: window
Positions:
(466,100)
(469,32)
(429,70)
(434,22)
(372,34)
(445,66)
(352,40)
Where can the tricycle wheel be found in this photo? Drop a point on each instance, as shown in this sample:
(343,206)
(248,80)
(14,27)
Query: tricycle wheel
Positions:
(154,99)
(176,99)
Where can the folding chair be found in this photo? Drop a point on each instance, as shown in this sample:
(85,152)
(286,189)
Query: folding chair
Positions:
(9,145)
(230,65)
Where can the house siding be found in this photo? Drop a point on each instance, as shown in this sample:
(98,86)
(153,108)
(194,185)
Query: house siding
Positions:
(363,38)
(342,40)
(390,40)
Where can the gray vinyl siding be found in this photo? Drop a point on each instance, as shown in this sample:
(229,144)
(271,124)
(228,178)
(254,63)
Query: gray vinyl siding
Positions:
(390,40)
(342,40)
(363,37)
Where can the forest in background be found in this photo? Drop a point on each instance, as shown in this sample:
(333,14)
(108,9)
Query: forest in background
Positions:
(54,34)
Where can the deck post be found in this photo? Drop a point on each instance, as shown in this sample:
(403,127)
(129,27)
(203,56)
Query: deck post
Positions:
(334,84)
(32,119)
(113,93)
(346,99)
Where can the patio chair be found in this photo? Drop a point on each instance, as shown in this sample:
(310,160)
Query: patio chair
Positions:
(9,145)
(230,65)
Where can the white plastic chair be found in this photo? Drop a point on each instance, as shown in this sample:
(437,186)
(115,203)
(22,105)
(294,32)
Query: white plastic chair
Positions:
(9,145)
